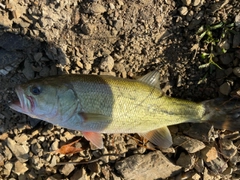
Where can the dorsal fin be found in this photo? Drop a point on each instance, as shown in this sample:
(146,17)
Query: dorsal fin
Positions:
(151,78)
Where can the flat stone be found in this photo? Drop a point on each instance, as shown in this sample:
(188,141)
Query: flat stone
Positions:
(209,153)
(68,135)
(3,72)
(147,166)
(79,174)
(97,8)
(8,168)
(67,169)
(19,150)
(7,153)
(203,132)
(19,168)
(3,136)
(189,144)
(94,167)
(225,88)
(185,160)
(6,21)
(53,161)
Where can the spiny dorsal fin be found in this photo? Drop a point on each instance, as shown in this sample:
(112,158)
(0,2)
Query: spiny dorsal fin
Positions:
(151,78)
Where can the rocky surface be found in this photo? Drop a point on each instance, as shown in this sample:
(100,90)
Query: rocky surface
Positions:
(124,39)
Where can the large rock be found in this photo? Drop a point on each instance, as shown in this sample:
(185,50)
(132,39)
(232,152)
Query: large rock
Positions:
(151,166)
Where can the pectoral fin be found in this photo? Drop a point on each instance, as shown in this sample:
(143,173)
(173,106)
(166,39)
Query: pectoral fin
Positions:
(160,137)
(94,138)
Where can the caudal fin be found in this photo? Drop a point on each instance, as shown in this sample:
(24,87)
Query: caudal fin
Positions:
(223,113)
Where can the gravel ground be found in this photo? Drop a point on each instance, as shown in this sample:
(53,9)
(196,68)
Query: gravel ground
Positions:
(125,39)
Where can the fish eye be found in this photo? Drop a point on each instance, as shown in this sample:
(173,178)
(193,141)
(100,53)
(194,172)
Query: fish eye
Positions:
(35,90)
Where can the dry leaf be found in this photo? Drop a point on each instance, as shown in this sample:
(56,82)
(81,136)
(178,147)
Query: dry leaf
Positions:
(69,148)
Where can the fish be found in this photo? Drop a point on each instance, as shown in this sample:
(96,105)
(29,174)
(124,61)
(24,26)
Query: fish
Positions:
(96,104)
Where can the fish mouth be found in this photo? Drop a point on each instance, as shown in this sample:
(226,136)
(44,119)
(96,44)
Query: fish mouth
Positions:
(24,104)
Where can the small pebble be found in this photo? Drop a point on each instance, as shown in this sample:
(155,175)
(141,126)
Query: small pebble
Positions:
(209,154)
(8,168)
(20,168)
(189,144)
(183,10)
(186,2)
(87,28)
(19,150)
(67,169)
(236,71)
(237,20)
(225,88)
(94,167)
(196,2)
(185,160)
(55,145)
(37,56)
(107,64)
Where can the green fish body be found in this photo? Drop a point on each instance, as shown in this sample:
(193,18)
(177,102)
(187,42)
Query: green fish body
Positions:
(105,104)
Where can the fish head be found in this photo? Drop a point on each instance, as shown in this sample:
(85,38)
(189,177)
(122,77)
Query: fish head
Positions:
(38,99)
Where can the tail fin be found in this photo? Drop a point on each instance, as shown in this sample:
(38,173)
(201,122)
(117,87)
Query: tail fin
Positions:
(223,113)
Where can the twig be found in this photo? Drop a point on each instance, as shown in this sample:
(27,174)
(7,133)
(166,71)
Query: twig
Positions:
(87,162)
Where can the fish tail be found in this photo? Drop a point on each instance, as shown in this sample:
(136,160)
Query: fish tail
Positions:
(223,113)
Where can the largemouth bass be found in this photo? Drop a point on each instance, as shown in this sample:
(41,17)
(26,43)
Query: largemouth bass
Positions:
(105,104)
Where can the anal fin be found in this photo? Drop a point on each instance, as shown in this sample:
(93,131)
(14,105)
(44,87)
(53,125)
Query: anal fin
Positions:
(160,137)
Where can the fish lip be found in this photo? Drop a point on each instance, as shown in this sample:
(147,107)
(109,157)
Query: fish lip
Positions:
(20,105)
